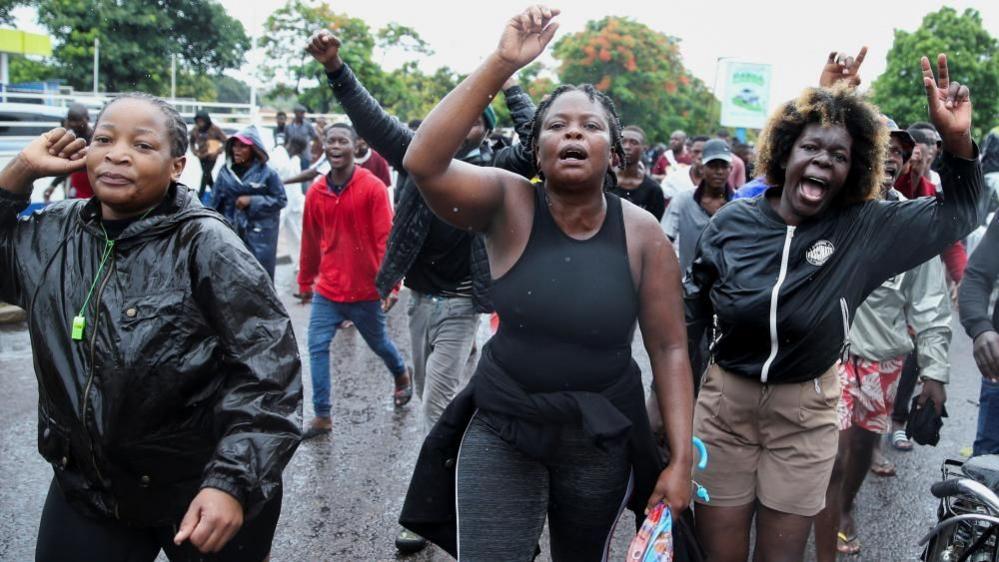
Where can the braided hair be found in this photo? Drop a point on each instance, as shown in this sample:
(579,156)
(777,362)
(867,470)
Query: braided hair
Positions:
(594,95)
(176,127)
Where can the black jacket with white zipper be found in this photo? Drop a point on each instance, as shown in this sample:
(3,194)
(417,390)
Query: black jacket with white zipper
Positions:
(784,296)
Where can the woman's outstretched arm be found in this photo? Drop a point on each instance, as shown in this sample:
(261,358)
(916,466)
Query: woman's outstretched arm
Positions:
(660,317)
(465,195)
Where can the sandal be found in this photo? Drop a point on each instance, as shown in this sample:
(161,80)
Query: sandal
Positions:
(900,441)
(883,468)
(403,394)
(847,545)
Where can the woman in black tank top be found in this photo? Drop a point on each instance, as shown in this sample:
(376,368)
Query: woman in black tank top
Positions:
(553,423)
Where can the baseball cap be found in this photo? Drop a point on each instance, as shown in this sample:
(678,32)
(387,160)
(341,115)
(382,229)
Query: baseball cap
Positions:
(716,149)
(903,136)
(243,139)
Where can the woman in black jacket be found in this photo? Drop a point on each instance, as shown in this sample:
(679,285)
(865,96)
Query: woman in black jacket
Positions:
(168,373)
(781,276)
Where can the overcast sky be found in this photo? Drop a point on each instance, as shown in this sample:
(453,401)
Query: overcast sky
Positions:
(795,37)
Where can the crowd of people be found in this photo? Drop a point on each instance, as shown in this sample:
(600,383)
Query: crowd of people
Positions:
(787,318)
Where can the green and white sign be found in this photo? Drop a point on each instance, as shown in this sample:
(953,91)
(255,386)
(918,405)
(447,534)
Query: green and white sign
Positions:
(745,93)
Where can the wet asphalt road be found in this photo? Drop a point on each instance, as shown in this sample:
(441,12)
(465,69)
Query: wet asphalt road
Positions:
(343,492)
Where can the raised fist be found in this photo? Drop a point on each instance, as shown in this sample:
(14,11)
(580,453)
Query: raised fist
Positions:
(325,48)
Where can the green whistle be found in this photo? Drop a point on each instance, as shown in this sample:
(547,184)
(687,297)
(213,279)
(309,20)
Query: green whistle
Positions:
(78,324)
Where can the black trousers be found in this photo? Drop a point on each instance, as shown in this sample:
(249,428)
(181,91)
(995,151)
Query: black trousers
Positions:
(64,535)
(207,180)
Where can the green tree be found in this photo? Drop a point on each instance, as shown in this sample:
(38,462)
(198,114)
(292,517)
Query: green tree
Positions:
(971,54)
(137,39)
(533,78)
(31,69)
(231,90)
(641,70)
(395,36)
(8,6)
(289,68)
(406,92)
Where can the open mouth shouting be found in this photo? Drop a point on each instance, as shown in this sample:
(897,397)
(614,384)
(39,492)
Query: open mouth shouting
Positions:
(572,154)
(813,189)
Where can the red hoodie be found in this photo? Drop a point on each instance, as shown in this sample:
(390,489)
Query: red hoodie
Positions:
(344,237)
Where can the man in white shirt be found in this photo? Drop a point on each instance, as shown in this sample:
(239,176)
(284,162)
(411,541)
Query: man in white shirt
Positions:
(685,178)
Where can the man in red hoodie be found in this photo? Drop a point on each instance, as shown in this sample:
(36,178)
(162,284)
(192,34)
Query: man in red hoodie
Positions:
(345,227)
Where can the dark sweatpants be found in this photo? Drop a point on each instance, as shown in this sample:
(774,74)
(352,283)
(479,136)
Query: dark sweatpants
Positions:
(64,535)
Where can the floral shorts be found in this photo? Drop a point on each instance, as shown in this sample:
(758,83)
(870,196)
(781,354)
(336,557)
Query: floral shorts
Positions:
(868,389)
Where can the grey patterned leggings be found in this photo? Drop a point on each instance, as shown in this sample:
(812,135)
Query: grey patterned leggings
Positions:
(503,497)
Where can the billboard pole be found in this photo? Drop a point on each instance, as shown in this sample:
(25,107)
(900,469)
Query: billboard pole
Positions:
(97,60)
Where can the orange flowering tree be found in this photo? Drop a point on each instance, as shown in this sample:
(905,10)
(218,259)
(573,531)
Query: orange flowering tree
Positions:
(642,71)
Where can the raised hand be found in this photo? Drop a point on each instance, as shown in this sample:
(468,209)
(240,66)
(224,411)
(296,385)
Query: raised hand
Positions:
(55,153)
(842,68)
(526,35)
(949,108)
(324,46)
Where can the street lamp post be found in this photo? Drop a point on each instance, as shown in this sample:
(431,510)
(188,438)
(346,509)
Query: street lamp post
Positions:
(97,60)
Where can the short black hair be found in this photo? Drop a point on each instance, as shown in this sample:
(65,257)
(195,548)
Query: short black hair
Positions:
(176,127)
(698,138)
(77,111)
(923,136)
(281,114)
(296,143)
(594,95)
(350,129)
(923,125)
(636,129)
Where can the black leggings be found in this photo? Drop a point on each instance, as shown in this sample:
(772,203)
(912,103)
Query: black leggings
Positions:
(503,497)
(207,180)
(64,535)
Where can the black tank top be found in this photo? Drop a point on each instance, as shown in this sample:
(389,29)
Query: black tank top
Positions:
(567,307)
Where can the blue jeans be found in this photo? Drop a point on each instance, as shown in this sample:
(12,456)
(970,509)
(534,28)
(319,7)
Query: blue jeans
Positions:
(987,439)
(326,317)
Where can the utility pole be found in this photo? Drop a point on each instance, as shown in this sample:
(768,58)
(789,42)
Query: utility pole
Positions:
(4,76)
(173,76)
(97,60)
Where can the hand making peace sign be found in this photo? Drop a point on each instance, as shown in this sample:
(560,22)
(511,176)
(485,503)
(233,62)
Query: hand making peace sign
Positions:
(842,68)
(949,108)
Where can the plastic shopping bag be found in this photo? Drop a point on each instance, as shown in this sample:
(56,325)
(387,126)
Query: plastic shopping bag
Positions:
(654,541)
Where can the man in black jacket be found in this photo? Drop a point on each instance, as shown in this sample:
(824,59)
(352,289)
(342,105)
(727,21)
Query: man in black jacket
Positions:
(445,268)
(974,299)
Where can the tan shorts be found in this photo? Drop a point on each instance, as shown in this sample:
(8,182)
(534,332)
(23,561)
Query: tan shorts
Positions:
(773,443)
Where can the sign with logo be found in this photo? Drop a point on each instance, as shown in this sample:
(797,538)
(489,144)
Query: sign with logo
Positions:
(745,93)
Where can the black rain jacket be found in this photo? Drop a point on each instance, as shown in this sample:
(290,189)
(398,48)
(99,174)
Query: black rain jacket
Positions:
(413,217)
(784,296)
(188,374)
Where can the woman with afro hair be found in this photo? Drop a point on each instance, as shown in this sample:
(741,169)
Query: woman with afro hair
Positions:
(780,276)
